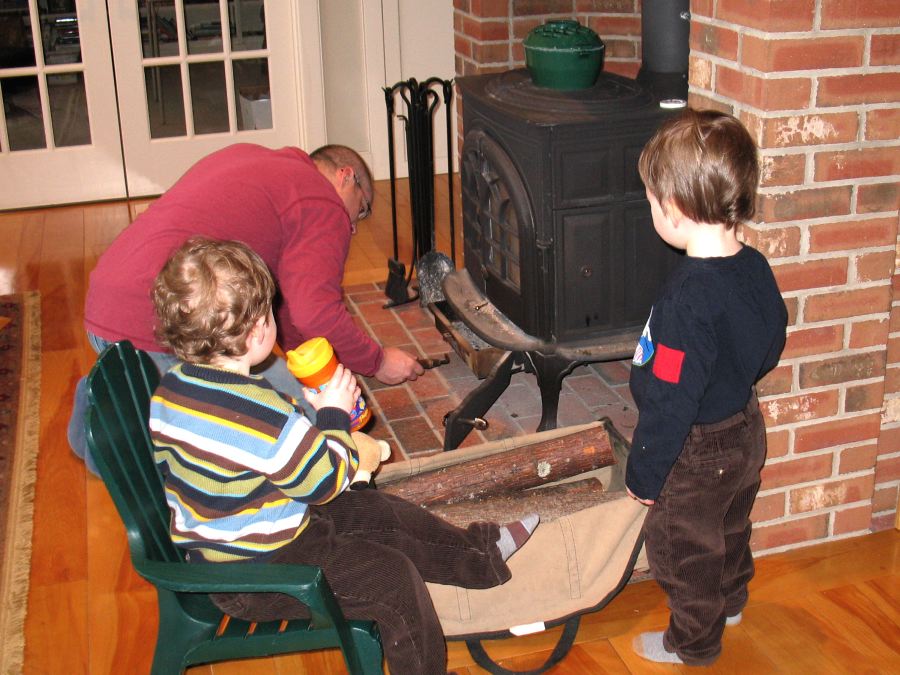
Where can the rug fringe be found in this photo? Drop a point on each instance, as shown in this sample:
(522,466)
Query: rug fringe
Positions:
(17,565)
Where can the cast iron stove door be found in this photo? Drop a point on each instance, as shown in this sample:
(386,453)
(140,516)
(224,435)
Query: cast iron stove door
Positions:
(500,224)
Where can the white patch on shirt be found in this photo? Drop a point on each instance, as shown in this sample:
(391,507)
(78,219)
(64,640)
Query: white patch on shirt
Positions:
(644,351)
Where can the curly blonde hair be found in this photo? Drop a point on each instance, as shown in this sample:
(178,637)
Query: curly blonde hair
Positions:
(208,297)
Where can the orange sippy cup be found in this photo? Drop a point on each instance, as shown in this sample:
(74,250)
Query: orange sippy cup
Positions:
(313,363)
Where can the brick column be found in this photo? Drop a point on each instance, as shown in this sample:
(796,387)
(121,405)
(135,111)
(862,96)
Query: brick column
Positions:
(817,82)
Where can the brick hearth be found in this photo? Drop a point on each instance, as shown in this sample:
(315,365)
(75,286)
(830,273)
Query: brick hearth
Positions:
(409,416)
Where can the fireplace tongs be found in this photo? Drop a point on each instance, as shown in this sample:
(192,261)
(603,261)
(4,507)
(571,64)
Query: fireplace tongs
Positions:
(550,361)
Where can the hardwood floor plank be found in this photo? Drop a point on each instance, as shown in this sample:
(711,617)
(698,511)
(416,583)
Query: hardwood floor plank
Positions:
(807,570)
(56,638)
(790,635)
(597,656)
(122,630)
(859,625)
(59,541)
(62,278)
(20,257)
(322,662)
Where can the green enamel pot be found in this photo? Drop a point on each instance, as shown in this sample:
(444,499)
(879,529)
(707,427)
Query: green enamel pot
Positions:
(564,55)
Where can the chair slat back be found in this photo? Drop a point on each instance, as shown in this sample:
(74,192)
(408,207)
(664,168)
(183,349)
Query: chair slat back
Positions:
(119,389)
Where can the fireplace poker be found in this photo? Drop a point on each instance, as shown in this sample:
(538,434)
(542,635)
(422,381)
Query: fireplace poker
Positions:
(396,288)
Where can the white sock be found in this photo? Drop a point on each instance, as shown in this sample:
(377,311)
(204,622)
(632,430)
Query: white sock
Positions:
(513,535)
(650,646)
(734,620)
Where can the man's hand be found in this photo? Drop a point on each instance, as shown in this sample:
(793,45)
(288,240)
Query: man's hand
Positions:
(398,366)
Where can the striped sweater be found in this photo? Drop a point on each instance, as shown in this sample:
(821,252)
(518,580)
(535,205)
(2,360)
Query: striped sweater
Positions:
(240,463)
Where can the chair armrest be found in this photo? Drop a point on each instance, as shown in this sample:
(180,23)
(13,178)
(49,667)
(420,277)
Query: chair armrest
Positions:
(295,580)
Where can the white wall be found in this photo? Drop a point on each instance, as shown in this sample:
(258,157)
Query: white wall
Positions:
(370,44)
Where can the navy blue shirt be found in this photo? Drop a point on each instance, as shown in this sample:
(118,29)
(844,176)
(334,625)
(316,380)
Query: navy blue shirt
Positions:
(716,328)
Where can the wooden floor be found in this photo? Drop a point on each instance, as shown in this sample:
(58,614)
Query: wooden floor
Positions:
(833,608)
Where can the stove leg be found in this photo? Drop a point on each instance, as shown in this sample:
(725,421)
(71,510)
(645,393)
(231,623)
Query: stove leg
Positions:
(460,421)
(550,371)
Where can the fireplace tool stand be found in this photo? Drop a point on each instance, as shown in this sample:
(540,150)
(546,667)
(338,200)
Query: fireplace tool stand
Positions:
(494,348)
(420,99)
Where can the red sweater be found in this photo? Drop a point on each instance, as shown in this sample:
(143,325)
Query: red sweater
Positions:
(278,203)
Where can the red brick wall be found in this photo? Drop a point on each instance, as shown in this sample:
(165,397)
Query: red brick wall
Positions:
(818,84)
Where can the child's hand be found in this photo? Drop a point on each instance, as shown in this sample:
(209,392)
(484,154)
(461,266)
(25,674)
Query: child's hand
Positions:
(645,502)
(341,392)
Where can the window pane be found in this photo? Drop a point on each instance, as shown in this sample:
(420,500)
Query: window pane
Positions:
(24,118)
(165,105)
(16,45)
(248,24)
(251,84)
(208,97)
(159,31)
(203,25)
(68,109)
(59,32)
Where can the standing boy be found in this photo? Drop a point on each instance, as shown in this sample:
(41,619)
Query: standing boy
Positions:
(716,328)
(248,478)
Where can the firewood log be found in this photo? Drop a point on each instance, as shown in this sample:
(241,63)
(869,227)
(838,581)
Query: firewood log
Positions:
(549,502)
(511,471)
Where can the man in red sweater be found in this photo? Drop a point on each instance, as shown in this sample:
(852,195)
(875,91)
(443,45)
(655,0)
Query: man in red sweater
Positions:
(297,211)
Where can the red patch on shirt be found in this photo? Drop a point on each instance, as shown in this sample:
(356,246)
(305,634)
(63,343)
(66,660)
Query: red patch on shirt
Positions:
(667,364)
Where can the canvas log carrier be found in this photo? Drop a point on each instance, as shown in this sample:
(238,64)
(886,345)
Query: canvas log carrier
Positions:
(582,554)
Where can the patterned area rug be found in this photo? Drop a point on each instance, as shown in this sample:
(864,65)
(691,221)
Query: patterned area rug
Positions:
(20,387)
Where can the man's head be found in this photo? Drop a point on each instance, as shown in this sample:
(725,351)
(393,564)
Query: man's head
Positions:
(347,171)
(208,298)
(705,163)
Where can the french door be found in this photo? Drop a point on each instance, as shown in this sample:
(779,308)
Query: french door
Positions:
(195,76)
(103,100)
(59,136)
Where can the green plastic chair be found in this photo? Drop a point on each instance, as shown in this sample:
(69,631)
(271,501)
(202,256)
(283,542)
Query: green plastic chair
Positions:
(119,389)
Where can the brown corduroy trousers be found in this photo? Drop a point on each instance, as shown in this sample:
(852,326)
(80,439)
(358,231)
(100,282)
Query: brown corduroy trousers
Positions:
(697,533)
(376,551)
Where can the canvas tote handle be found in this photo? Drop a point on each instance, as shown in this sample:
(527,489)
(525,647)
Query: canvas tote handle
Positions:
(566,640)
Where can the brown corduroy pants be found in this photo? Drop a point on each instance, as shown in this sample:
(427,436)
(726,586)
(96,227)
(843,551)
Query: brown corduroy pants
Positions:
(697,533)
(376,551)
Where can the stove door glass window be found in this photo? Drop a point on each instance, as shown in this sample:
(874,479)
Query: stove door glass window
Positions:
(495,208)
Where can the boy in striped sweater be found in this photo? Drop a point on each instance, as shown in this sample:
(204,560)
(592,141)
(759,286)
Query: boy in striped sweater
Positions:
(248,478)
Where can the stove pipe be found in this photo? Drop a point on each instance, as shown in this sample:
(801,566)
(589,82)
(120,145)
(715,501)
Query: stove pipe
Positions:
(665,44)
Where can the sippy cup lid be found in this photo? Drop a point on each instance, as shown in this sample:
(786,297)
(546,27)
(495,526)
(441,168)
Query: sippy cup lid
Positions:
(310,357)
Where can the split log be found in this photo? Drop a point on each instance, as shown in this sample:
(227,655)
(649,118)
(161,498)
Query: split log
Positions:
(511,471)
(550,502)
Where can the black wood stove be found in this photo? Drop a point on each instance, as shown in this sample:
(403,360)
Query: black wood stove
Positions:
(561,259)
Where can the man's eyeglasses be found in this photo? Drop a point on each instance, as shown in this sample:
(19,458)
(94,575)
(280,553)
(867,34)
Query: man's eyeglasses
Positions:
(366,210)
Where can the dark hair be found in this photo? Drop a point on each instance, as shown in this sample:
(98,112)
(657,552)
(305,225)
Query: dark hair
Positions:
(339,156)
(208,296)
(705,162)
